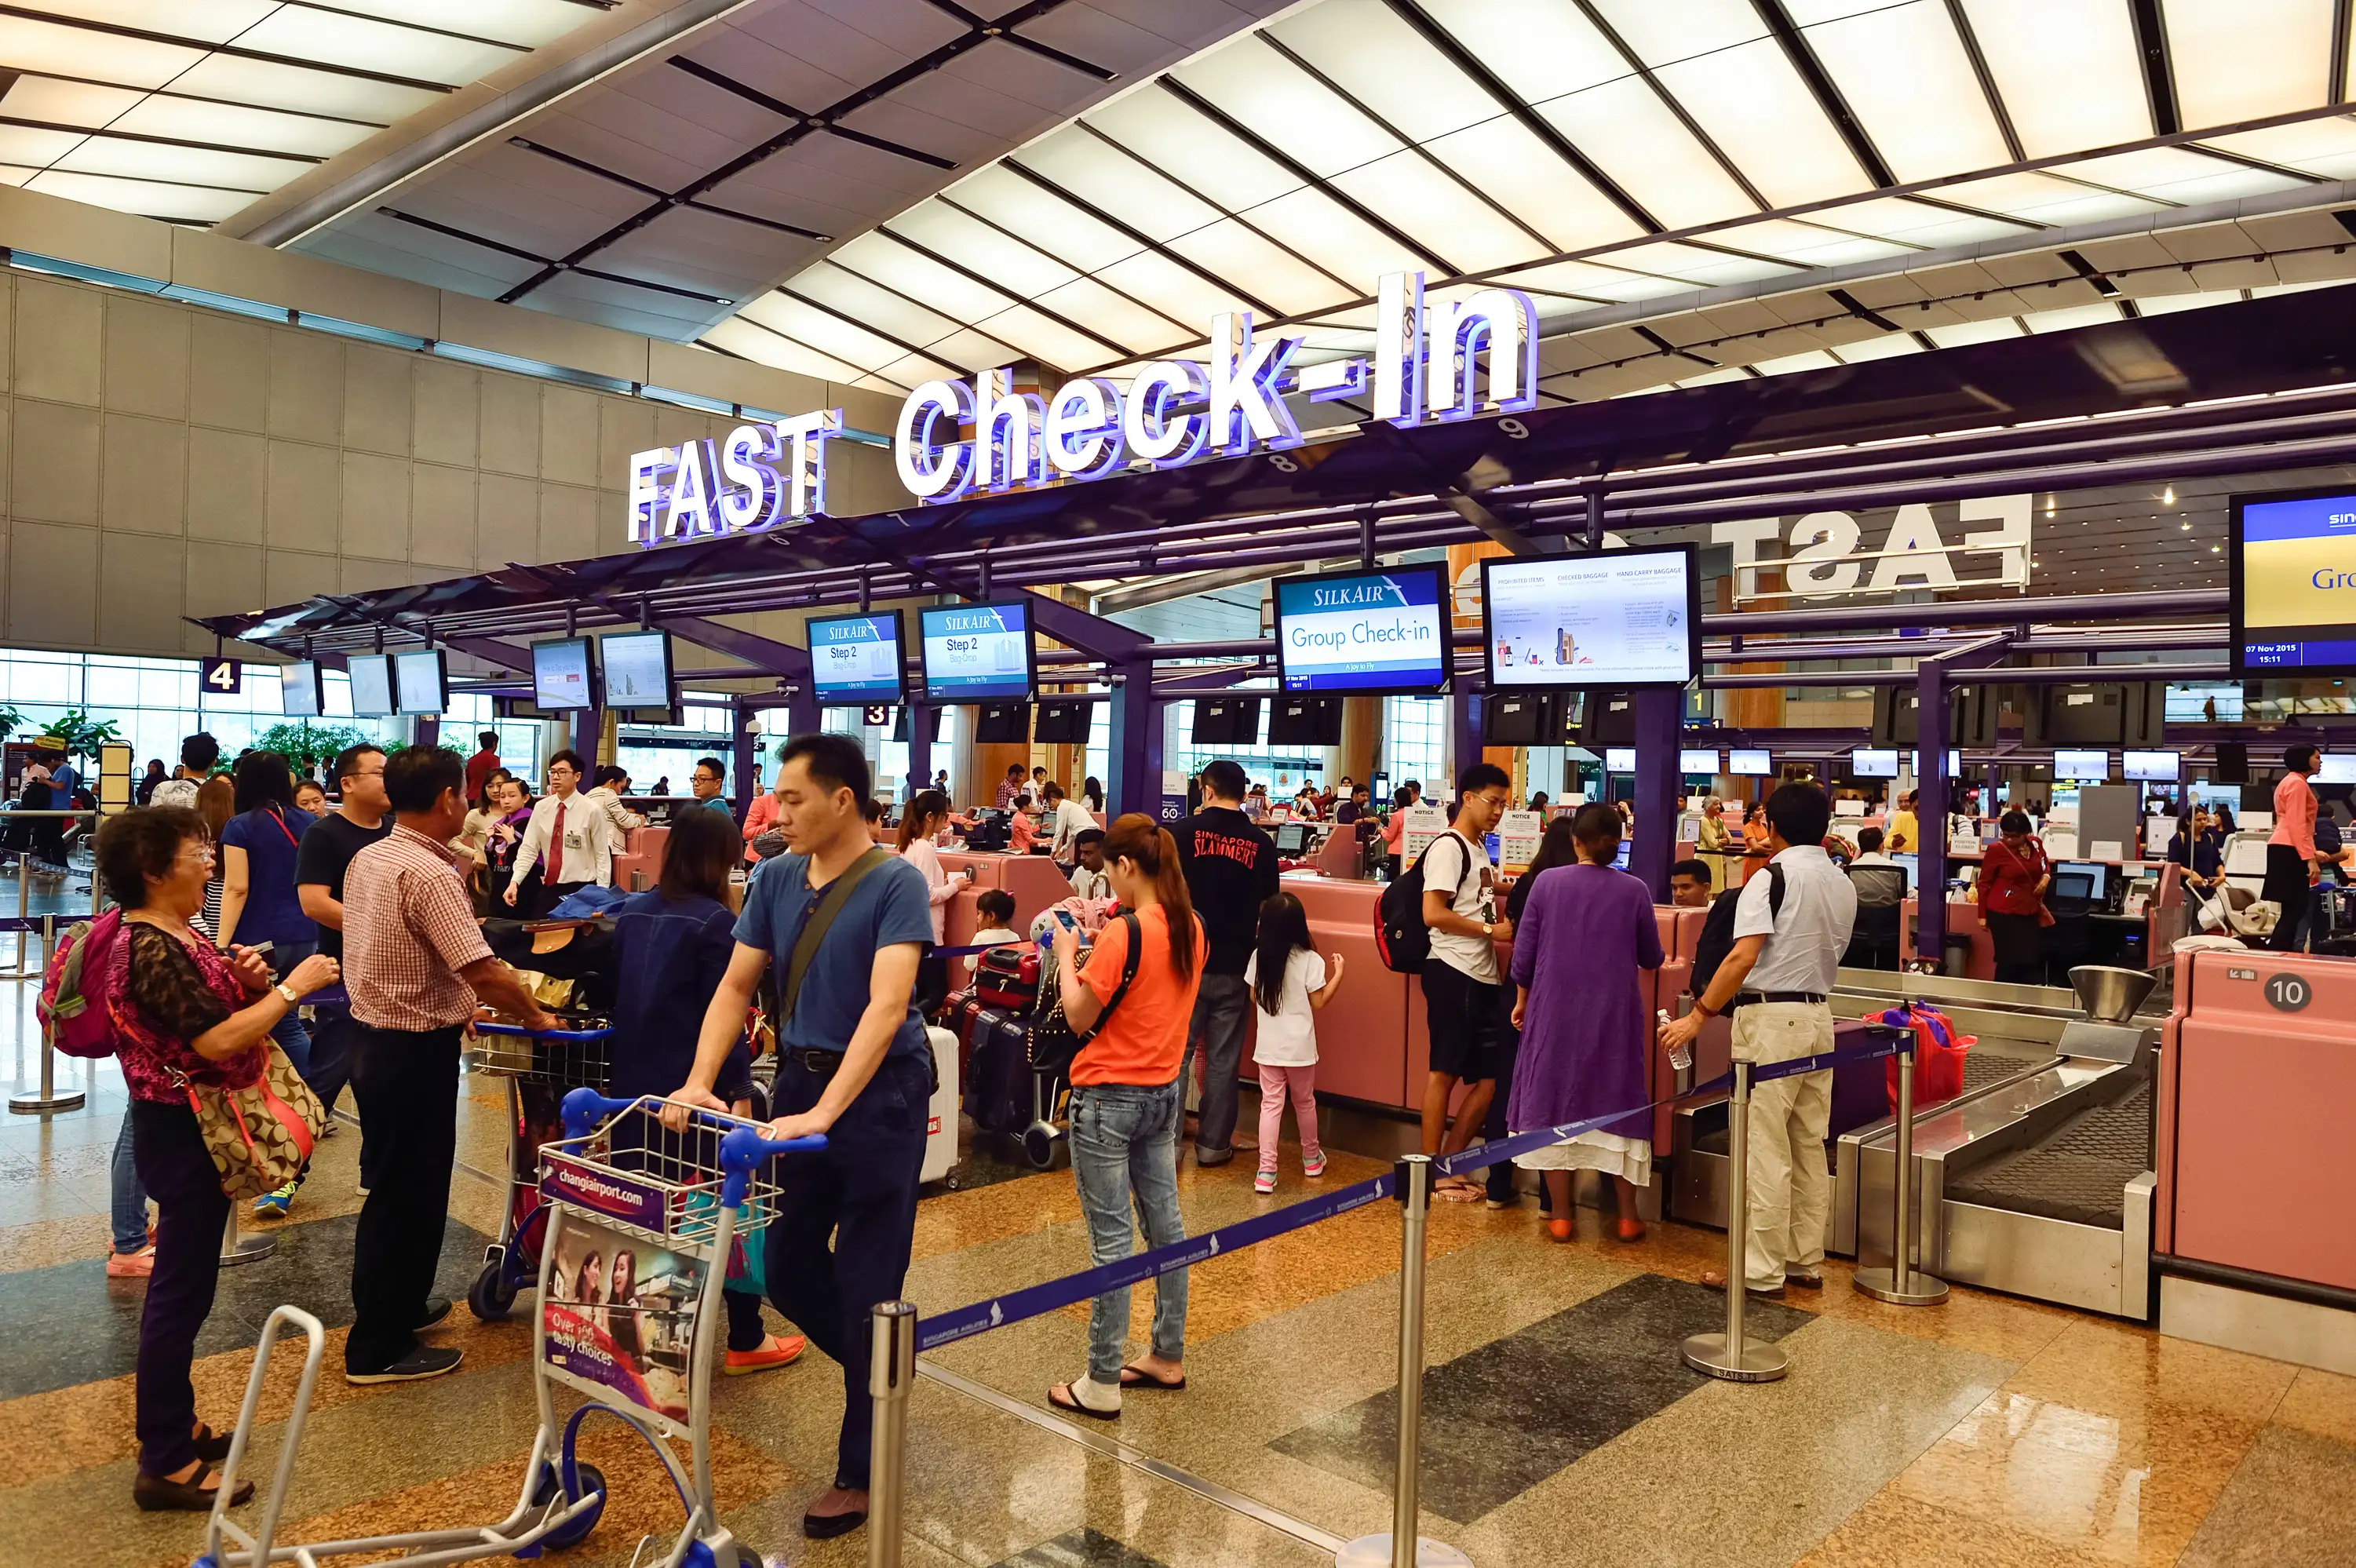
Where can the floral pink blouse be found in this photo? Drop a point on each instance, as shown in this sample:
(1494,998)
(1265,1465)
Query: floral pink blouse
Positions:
(163,993)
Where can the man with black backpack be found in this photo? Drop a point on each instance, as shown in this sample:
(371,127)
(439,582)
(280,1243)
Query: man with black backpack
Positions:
(1463,987)
(1790,924)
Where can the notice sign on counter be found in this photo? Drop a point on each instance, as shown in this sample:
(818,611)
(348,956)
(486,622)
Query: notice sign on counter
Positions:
(1424,823)
(1518,834)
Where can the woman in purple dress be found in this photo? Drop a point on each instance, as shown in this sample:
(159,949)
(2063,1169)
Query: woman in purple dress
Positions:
(1585,932)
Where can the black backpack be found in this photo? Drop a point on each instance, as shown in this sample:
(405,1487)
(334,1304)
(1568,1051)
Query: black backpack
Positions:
(1400,935)
(1717,938)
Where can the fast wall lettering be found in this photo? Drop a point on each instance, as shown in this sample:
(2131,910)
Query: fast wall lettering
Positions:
(1433,361)
(1828,555)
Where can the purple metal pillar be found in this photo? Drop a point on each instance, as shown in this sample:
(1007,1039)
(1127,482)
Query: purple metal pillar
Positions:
(588,725)
(1136,781)
(743,759)
(1659,715)
(1931,804)
(429,732)
(1465,697)
(1930,810)
(920,748)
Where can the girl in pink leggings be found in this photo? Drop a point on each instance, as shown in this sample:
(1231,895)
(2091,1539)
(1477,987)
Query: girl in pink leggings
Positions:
(1289,979)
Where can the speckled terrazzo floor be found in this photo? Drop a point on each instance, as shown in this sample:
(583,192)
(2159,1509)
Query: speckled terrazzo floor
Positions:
(1559,1430)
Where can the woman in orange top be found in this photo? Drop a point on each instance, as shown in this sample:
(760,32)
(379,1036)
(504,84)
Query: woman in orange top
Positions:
(1128,1104)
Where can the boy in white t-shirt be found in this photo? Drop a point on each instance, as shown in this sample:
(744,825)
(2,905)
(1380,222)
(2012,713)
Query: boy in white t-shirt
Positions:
(1286,1051)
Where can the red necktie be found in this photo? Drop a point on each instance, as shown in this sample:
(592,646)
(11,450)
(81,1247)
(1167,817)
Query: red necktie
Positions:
(556,847)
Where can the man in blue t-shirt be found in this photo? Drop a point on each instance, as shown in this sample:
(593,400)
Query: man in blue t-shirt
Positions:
(853,1063)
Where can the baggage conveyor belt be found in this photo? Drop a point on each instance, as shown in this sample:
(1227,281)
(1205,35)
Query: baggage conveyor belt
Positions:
(2079,1173)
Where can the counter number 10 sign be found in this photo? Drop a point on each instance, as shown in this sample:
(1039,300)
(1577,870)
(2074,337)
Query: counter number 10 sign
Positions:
(221,677)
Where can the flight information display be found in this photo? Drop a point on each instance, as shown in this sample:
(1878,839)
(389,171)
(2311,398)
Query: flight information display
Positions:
(1617,619)
(1751,764)
(298,689)
(371,675)
(978,652)
(1695,762)
(2153,767)
(637,669)
(560,674)
(1363,631)
(1867,762)
(2089,767)
(419,681)
(2294,584)
(1619,759)
(857,659)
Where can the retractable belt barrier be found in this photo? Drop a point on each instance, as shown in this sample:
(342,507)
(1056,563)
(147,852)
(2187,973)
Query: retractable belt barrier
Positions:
(1033,1301)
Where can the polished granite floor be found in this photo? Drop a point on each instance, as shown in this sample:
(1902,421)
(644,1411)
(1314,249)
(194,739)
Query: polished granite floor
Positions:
(1559,1427)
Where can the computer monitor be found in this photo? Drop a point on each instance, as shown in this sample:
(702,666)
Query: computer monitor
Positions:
(2096,873)
(2153,767)
(2084,767)
(1620,859)
(1912,864)
(2078,885)
(1292,838)
(1698,762)
(1873,762)
(1749,764)
(2337,767)
(1620,760)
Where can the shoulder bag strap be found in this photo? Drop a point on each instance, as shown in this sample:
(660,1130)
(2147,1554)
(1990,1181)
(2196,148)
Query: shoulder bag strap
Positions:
(282,828)
(1128,973)
(819,920)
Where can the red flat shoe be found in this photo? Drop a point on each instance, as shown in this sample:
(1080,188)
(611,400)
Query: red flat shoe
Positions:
(777,1351)
(1631,1230)
(1560,1230)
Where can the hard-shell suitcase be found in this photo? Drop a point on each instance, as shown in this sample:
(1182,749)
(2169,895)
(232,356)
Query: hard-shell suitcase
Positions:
(998,1093)
(1007,978)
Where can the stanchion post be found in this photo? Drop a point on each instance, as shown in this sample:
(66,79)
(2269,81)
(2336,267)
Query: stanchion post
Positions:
(242,1248)
(1900,1283)
(46,1099)
(891,1369)
(1403,1547)
(1728,1355)
(24,908)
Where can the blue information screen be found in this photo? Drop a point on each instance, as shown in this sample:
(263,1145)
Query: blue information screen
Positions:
(857,659)
(977,652)
(2295,584)
(1363,631)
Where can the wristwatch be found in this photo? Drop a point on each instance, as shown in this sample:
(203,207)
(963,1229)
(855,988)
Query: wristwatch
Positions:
(293,997)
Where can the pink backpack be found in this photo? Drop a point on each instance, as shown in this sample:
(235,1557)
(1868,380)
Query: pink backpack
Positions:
(73,1010)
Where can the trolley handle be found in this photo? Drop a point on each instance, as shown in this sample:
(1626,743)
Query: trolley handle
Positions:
(744,1151)
(487,1027)
(585,1108)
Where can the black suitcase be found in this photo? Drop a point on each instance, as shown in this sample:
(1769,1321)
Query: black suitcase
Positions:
(998,1088)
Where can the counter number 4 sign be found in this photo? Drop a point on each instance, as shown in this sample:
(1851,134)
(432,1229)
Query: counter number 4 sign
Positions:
(221,677)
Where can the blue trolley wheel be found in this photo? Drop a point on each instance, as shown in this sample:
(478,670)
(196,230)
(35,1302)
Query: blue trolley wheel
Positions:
(550,1486)
(492,1294)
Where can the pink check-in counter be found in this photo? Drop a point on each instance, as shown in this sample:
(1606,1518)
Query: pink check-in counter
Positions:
(2253,1226)
(1036,883)
(1372,1044)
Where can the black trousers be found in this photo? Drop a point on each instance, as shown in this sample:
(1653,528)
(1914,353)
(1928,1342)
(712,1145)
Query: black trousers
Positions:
(409,1117)
(2287,886)
(191,1213)
(861,1191)
(2019,943)
(537,901)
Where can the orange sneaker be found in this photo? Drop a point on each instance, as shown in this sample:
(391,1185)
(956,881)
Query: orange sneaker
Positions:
(776,1350)
(135,1265)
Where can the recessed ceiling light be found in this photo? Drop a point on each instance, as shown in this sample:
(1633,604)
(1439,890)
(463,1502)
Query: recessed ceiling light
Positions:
(2168,496)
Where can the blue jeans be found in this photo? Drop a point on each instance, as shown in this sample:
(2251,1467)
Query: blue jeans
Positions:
(292,1036)
(1125,1149)
(130,1198)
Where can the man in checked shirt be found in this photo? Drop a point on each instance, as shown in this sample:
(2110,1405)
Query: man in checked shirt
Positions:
(417,968)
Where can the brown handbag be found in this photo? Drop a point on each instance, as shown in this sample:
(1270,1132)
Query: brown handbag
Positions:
(258,1136)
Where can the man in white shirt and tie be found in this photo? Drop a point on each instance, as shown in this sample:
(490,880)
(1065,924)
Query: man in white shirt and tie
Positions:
(568,832)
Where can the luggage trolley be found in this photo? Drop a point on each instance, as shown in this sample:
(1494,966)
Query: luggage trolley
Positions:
(538,1068)
(617,1185)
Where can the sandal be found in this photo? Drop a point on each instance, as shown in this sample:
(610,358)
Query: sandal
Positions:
(212,1446)
(1457,1189)
(1138,1377)
(1064,1397)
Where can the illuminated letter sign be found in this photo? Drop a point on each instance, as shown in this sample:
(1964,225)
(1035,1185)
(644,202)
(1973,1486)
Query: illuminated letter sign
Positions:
(758,476)
(1825,559)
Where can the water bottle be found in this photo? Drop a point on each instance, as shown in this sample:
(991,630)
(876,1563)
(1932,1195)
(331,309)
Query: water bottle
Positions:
(1680,1057)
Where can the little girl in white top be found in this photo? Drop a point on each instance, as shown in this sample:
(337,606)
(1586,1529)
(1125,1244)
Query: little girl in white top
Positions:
(1289,979)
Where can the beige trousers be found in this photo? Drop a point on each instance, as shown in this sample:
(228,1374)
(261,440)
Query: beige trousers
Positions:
(1789,1191)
